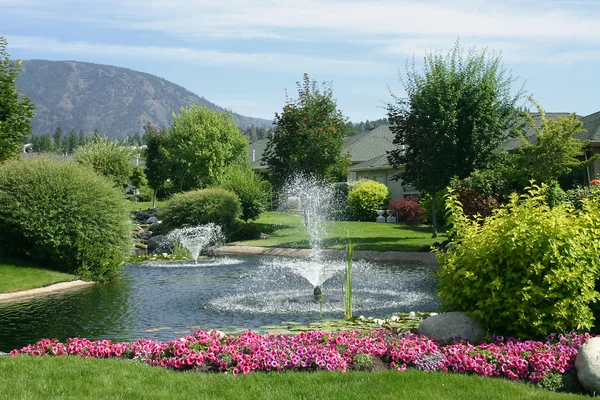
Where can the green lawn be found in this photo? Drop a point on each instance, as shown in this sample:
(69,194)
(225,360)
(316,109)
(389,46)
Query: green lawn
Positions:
(79,378)
(285,230)
(18,275)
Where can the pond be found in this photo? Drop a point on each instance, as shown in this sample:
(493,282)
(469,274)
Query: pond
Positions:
(160,300)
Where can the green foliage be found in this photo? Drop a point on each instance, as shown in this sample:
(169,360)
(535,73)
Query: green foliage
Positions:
(63,215)
(308,136)
(254,193)
(555,151)
(527,270)
(339,201)
(456,114)
(155,153)
(106,158)
(200,145)
(440,207)
(367,197)
(16,111)
(203,206)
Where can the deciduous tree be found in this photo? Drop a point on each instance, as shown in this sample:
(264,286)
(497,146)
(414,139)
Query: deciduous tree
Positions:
(308,136)
(456,113)
(16,111)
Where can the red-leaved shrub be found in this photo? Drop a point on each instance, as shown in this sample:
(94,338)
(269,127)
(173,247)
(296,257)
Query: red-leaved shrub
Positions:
(475,203)
(409,210)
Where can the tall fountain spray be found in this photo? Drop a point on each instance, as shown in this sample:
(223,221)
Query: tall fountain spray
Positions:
(314,198)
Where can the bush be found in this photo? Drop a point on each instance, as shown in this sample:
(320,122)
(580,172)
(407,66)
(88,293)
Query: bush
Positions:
(528,270)
(106,158)
(200,207)
(474,203)
(409,210)
(254,193)
(64,216)
(367,197)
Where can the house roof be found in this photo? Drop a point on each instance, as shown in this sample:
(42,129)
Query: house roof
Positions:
(380,162)
(369,144)
(255,151)
(591,124)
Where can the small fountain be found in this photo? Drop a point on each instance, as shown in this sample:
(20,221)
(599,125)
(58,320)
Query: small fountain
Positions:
(197,238)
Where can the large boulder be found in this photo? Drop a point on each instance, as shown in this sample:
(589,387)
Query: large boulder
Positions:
(587,364)
(159,244)
(451,325)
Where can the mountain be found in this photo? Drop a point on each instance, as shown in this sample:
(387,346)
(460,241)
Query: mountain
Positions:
(116,101)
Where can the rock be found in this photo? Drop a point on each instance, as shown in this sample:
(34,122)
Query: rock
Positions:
(141,246)
(159,244)
(587,365)
(155,227)
(151,220)
(450,325)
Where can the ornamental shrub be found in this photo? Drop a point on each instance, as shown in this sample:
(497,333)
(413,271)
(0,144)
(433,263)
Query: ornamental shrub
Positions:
(106,158)
(528,269)
(474,203)
(200,207)
(367,197)
(254,193)
(409,210)
(64,216)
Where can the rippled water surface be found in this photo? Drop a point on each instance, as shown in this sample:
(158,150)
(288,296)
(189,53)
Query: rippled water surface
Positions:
(165,300)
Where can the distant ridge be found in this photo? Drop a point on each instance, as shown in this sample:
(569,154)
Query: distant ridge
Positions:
(116,101)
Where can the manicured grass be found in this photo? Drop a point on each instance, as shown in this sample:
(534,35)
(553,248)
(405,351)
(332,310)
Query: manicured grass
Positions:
(285,230)
(18,275)
(79,378)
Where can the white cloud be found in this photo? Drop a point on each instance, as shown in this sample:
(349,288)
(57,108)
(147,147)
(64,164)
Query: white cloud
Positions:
(270,61)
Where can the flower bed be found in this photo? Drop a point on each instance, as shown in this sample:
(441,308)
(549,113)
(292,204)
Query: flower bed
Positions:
(528,361)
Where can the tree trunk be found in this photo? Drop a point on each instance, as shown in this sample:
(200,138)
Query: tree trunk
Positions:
(433,216)
(154,199)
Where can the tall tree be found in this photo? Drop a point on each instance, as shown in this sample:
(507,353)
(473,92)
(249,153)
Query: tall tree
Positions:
(308,136)
(157,169)
(81,138)
(456,113)
(58,139)
(201,143)
(16,111)
(72,142)
(106,158)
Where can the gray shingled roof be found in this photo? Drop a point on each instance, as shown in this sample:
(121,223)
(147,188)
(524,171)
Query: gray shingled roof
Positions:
(255,151)
(369,144)
(591,124)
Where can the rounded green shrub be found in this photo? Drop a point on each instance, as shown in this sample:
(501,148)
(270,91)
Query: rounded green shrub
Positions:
(254,193)
(527,270)
(63,215)
(107,158)
(367,197)
(200,207)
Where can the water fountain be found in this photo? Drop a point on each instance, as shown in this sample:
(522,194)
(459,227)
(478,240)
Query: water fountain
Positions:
(197,238)
(314,198)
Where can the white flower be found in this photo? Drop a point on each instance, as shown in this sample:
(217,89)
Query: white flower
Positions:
(395,318)
(165,254)
(361,317)
(432,314)
(411,314)
(220,334)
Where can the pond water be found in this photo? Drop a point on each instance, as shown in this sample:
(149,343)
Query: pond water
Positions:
(159,300)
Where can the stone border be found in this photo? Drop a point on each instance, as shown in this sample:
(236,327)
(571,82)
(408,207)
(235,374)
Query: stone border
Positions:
(381,256)
(55,287)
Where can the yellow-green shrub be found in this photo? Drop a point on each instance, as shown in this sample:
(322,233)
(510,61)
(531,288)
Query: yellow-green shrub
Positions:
(367,197)
(527,270)
(64,215)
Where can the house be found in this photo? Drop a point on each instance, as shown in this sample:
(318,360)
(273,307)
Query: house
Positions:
(368,159)
(368,155)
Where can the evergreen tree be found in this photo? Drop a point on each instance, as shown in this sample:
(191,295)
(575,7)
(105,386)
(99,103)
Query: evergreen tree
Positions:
(72,142)
(157,168)
(81,138)
(57,138)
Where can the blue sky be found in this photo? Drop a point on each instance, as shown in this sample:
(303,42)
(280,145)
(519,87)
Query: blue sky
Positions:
(243,55)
